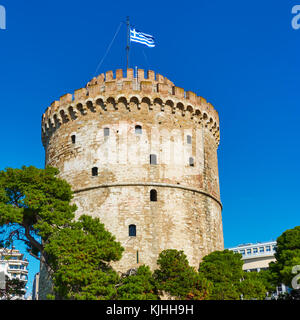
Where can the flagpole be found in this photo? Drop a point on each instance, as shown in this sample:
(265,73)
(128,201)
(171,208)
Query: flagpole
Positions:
(128,42)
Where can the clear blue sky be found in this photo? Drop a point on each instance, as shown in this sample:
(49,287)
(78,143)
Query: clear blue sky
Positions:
(243,57)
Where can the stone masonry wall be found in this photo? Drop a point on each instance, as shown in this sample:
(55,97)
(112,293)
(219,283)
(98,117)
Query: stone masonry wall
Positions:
(181,129)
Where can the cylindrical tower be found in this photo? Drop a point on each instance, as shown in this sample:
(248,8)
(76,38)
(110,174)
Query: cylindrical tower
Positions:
(141,155)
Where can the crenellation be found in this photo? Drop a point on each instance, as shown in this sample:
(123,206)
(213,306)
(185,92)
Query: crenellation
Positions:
(107,85)
(93,90)
(109,76)
(160,78)
(146,87)
(163,89)
(151,75)
(101,79)
(80,94)
(119,74)
(141,74)
(130,74)
(65,99)
(178,92)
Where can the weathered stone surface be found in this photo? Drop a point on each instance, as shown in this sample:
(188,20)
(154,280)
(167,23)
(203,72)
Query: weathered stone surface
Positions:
(187,213)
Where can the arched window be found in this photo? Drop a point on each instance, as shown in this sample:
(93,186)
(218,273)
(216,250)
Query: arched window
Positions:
(189,139)
(153,195)
(73,138)
(106,132)
(153,159)
(191,161)
(95,172)
(138,130)
(132,230)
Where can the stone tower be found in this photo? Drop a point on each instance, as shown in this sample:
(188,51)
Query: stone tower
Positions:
(141,155)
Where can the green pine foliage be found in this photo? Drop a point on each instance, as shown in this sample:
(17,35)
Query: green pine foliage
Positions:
(35,203)
(252,287)
(139,286)
(177,278)
(80,256)
(287,256)
(230,282)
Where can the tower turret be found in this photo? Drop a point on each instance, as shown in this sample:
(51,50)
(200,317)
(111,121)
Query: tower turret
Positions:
(140,154)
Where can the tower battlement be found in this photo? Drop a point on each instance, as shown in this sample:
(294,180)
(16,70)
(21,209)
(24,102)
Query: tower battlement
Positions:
(112,88)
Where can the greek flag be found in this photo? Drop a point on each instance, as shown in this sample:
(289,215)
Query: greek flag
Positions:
(140,37)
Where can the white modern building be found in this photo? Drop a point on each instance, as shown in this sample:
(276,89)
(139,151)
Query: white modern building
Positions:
(13,265)
(257,256)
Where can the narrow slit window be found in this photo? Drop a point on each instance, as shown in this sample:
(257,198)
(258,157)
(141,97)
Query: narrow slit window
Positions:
(132,230)
(73,138)
(189,139)
(153,159)
(95,172)
(138,130)
(191,162)
(106,132)
(153,195)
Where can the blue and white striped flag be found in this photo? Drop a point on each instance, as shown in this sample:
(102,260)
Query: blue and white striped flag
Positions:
(140,37)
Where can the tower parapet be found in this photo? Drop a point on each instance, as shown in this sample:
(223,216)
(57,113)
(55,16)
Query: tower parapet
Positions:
(114,87)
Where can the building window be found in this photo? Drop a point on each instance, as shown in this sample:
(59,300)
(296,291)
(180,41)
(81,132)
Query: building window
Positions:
(138,130)
(242,252)
(132,230)
(261,249)
(268,248)
(106,132)
(73,138)
(189,139)
(153,195)
(191,161)
(95,172)
(255,250)
(248,251)
(153,159)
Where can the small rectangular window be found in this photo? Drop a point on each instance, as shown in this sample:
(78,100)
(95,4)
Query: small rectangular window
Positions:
(132,230)
(248,251)
(73,138)
(189,139)
(261,249)
(95,172)
(106,132)
(255,250)
(153,195)
(138,130)
(153,159)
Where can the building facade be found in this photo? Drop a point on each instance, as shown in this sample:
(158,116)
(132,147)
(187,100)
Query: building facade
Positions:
(141,155)
(257,257)
(13,265)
